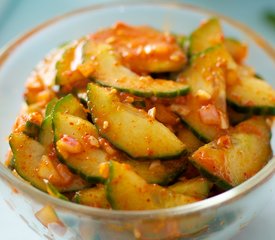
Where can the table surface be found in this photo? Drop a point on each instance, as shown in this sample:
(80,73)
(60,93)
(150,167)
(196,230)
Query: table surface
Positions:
(15,20)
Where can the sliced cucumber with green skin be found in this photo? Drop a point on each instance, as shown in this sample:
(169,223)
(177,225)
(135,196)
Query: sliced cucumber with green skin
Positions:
(183,41)
(204,136)
(44,75)
(189,139)
(233,158)
(10,162)
(126,190)
(46,70)
(129,129)
(208,62)
(236,117)
(53,191)
(93,197)
(50,107)
(207,81)
(197,187)
(64,65)
(46,136)
(87,162)
(207,35)
(259,76)
(67,74)
(251,95)
(27,153)
(27,158)
(131,43)
(236,48)
(139,104)
(82,96)
(31,129)
(102,66)
(70,105)
(158,172)
(76,127)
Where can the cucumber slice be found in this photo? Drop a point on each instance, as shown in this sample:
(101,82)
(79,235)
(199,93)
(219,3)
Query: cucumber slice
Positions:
(142,48)
(259,76)
(82,96)
(70,105)
(10,162)
(87,162)
(93,197)
(27,154)
(50,107)
(67,74)
(139,104)
(251,95)
(237,49)
(206,63)
(206,78)
(46,69)
(189,139)
(193,122)
(43,76)
(64,66)
(196,187)
(233,158)
(102,65)
(126,190)
(182,41)
(27,158)
(129,129)
(207,35)
(158,172)
(236,117)
(53,191)
(46,136)
(31,129)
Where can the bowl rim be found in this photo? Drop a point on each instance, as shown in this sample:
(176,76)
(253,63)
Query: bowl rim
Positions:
(229,196)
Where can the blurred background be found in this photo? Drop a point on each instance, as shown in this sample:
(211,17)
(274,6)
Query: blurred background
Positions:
(19,16)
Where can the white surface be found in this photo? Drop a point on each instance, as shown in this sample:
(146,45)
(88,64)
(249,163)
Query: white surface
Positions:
(18,19)
(12,227)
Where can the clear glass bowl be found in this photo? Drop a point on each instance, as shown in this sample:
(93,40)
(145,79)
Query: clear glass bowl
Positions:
(219,217)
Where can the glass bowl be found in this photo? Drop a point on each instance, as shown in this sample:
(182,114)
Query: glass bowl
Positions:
(219,217)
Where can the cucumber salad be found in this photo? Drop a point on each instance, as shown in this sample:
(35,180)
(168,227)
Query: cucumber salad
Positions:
(134,118)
